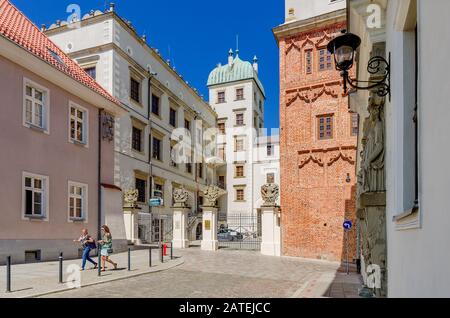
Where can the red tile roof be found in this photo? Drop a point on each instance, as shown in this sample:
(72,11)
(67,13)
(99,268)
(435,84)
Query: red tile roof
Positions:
(15,26)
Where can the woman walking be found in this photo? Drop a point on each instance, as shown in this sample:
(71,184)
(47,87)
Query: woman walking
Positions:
(106,248)
(87,244)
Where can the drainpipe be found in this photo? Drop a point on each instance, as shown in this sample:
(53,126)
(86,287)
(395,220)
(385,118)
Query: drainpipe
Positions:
(149,118)
(195,162)
(99,171)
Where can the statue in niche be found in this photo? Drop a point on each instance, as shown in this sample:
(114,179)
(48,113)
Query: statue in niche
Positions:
(372,174)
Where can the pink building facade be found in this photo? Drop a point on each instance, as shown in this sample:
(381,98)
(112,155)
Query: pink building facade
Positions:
(56,148)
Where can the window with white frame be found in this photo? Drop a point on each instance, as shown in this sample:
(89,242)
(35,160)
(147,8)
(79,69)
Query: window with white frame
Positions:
(77,201)
(78,124)
(35,105)
(35,195)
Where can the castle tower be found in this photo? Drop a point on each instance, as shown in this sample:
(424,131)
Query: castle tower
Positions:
(237,96)
(318,135)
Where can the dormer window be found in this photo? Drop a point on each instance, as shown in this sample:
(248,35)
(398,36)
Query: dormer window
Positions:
(91,71)
(57,57)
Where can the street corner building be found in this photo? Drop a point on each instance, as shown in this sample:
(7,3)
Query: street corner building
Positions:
(318,136)
(57,141)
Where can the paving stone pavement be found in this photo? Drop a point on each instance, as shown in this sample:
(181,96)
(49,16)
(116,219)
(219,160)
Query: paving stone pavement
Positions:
(31,280)
(229,274)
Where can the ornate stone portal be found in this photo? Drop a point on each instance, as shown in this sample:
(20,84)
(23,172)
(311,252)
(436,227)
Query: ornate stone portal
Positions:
(372,198)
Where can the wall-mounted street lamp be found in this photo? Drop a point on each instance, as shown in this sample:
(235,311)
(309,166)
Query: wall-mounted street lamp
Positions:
(344,48)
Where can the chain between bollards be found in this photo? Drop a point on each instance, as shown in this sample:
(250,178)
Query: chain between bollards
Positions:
(61,259)
(8,274)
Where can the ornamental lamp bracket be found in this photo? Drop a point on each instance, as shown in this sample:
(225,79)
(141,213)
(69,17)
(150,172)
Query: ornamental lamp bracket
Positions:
(344,49)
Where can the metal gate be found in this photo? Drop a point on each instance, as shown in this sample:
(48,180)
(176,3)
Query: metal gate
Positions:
(162,228)
(145,227)
(240,232)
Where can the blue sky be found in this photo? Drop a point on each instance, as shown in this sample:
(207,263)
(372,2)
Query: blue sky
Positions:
(199,34)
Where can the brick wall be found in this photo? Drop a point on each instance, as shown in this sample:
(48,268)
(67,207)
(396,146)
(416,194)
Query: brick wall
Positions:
(316,197)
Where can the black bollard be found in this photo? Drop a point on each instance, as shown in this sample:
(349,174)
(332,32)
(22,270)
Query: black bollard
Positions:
(99,262)
(61,258)
(129,259)
(8,274)
(150,257)
(162,253)
(171,251)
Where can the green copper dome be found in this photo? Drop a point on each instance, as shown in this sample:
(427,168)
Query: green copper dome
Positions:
(238,70)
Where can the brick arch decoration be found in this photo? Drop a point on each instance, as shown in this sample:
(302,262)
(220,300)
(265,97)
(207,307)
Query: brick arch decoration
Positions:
(310,94)
(342,156)
(327,31)
(324,40)
(291,43)
(309,159)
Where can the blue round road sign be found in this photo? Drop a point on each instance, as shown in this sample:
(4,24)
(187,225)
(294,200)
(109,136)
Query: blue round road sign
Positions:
(348,225)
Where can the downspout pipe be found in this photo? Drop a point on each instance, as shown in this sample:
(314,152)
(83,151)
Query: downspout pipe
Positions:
(149,118)
(99,171)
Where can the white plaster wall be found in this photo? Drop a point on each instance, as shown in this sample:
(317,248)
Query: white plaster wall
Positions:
(418,258)
(90,35)
(305,9)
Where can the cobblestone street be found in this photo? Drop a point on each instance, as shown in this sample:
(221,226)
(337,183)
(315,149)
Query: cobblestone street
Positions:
(232,274)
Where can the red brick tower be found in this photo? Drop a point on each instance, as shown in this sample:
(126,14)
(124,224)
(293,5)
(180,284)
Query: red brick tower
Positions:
(318,141)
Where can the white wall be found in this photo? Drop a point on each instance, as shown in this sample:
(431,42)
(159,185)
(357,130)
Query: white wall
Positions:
(418,258)
(305,9)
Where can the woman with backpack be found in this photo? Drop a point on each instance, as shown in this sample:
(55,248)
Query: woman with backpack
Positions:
(87,244)
(106,247)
